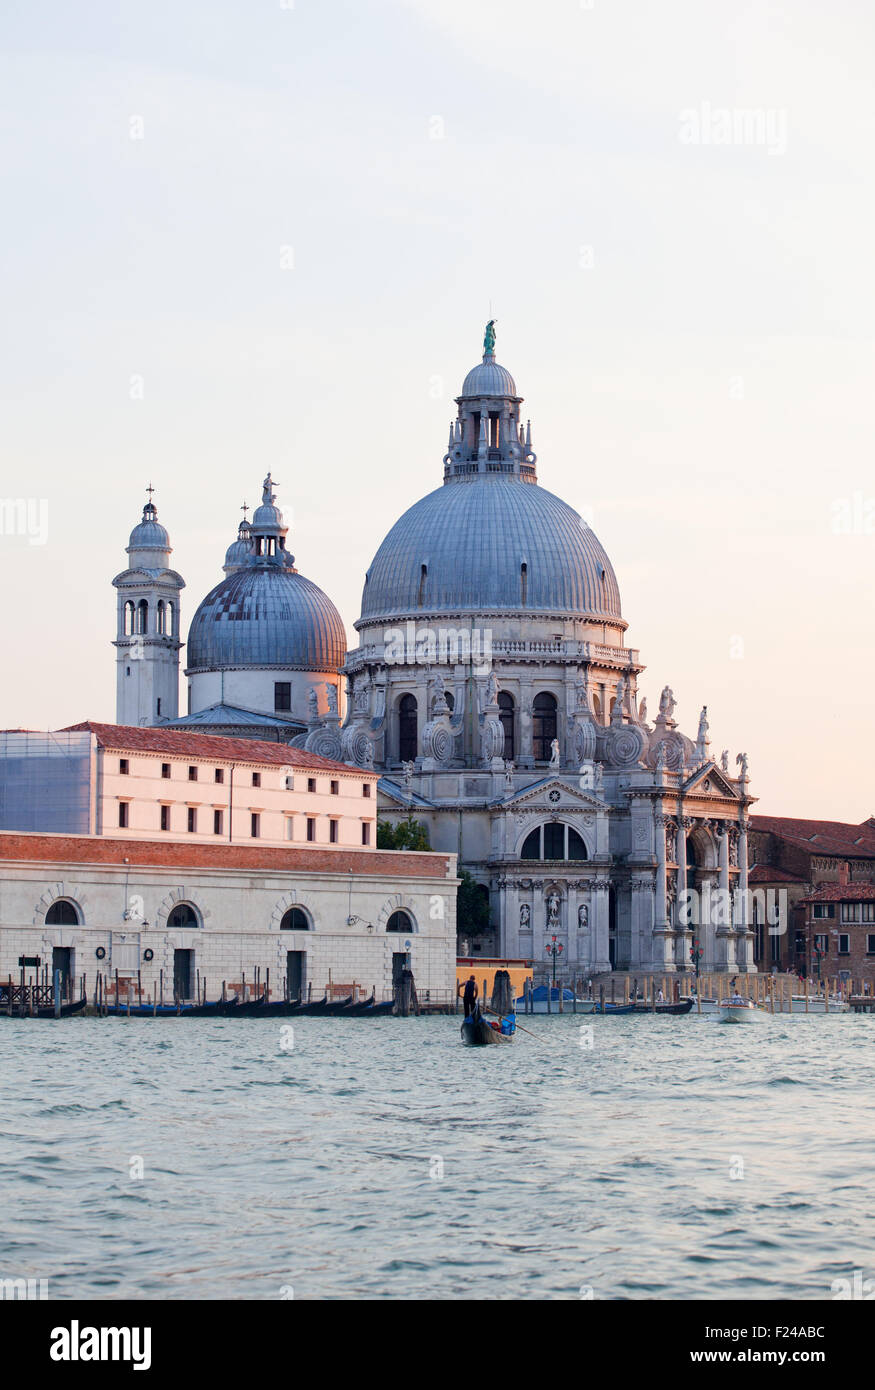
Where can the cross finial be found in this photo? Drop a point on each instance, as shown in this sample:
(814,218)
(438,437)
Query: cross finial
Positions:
(244,509)
(150,490)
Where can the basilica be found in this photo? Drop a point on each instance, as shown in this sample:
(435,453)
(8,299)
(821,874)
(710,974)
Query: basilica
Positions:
(493,692)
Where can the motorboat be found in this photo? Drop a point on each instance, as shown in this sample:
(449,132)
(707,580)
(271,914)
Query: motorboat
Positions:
(738,1010)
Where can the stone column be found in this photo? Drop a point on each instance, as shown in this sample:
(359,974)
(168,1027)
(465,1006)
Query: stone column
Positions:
(600,926)
(641,922)
(661,938)
(659,922)
(744,941)
(526,757)
(510,917)
(685,935)
(724,940)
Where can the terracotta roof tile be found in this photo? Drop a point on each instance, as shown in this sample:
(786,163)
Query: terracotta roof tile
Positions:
(210,746)
(769,873)
(842,892)
(175,854)
(831,837)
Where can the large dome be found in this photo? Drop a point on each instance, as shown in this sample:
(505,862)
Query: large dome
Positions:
(463,547)
(266,615)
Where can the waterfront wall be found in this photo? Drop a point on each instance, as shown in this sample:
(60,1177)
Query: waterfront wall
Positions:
(81,895)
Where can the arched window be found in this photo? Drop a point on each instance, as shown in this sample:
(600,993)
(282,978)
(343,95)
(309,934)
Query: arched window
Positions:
(543,725)
(692,862)
(62,913)
(142,616)
(171,619)
(130,618)
(597,708)
(407,728)
(555,840)
(505,714)
(400,921)
(159,618)
(524,583)
(183,915)
(295,920)
(423,576)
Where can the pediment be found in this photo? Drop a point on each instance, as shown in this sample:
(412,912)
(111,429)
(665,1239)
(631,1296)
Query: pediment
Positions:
(403,797)
(550,792)
(710,781)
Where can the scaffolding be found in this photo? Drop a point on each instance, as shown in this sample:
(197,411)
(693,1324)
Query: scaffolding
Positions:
(45,782)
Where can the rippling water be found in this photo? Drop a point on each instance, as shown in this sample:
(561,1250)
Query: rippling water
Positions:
(381,1159)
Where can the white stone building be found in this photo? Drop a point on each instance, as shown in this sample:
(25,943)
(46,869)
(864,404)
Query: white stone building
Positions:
(176,915)
(495,694)
(494,690)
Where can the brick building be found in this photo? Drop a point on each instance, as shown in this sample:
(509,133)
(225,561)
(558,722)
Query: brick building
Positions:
(791,859)
(839,931)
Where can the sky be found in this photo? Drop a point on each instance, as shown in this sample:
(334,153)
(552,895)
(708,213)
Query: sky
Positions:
(253,235)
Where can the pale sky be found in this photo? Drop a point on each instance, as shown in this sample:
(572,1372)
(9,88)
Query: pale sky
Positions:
(668,209)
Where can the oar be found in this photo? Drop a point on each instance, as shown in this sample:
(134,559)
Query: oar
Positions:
(518,1025)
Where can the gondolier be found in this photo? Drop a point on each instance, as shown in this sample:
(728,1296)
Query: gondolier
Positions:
(469,995)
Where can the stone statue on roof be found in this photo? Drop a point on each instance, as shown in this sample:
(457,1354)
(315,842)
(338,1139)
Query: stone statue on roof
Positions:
(489,337)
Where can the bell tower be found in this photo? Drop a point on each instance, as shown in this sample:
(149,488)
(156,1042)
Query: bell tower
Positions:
(147,627)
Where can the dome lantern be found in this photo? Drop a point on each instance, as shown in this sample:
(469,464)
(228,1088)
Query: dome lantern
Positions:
(488,435)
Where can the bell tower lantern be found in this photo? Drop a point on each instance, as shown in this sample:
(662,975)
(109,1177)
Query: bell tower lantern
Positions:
(147,627)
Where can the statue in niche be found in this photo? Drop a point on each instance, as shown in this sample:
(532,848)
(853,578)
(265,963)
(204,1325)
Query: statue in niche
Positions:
(525,915)
(553,911)
(554,753)
(583,916)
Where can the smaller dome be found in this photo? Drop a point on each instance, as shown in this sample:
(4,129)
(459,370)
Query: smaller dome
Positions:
(489,379)
(149,534)
(268,518)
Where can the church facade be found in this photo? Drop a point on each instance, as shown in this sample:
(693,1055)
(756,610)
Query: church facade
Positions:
(494,693)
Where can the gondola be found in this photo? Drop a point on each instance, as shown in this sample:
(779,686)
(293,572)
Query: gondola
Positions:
(338,1006)
(278,1008)
(617,1009)
(252,1007)
(315,1006)
(477,1032)
(384,1007)
(683,1007)
(218,1008)
(48,1010)
(362,1007)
